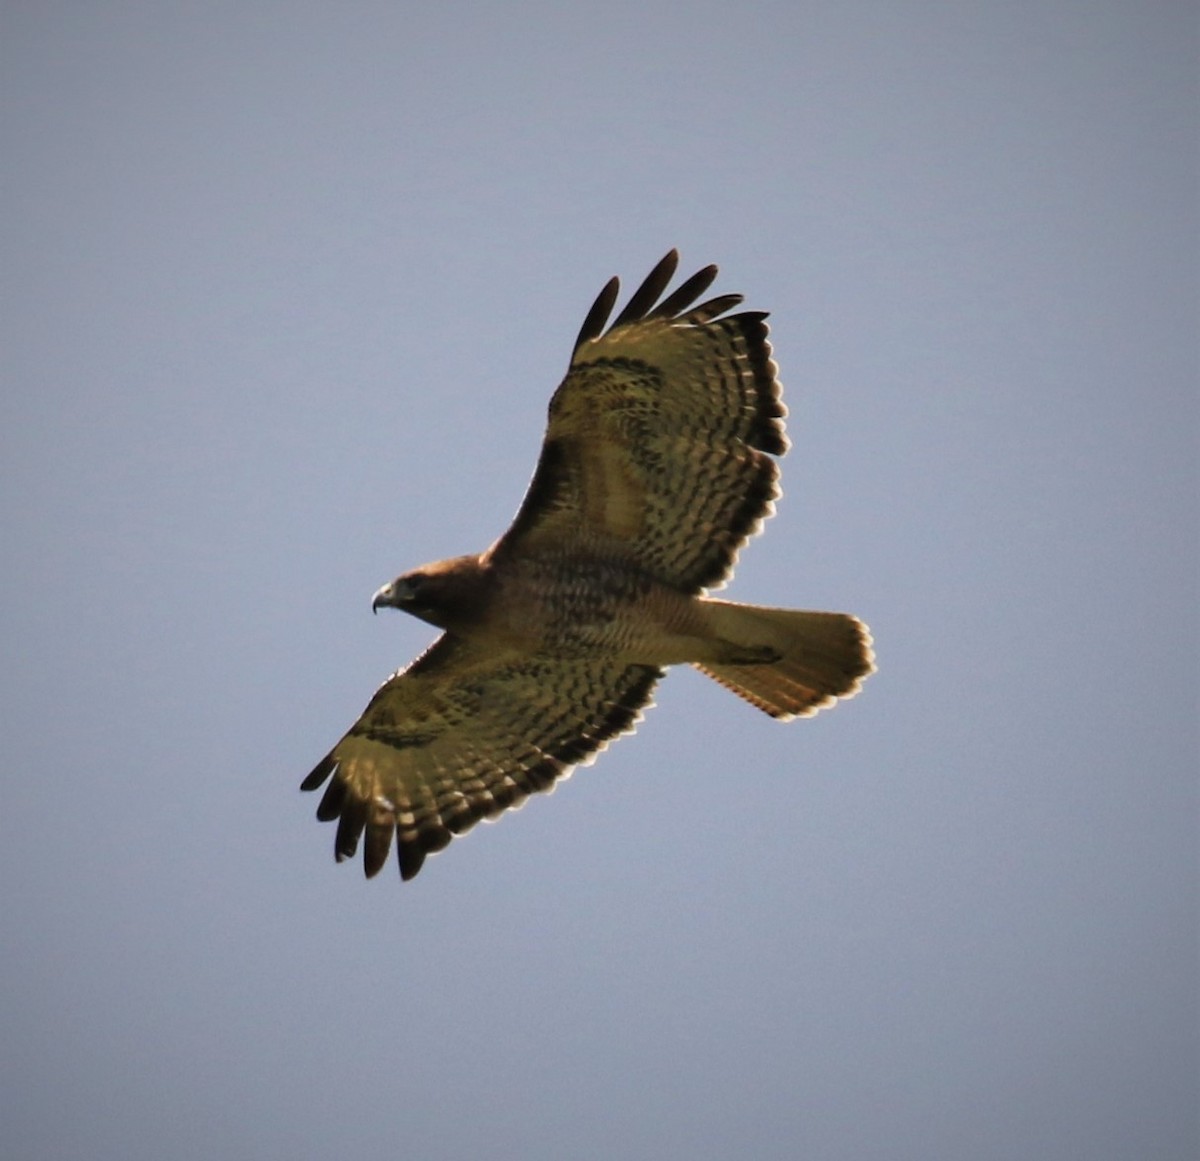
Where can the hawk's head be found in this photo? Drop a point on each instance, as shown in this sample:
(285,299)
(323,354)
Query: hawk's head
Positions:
(447,594)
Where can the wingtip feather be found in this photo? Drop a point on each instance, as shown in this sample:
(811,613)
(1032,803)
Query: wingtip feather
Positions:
(597,316)
(642,301)
(319,773)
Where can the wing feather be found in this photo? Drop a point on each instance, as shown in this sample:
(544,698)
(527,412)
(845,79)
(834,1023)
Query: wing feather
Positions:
(464,734)
(659,441)
(646,295)
(597,317)
(683,296)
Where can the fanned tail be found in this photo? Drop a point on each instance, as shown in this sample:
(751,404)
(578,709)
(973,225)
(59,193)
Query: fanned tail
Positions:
(821,657)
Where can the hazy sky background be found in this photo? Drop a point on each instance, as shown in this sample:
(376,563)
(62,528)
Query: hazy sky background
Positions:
(286,290)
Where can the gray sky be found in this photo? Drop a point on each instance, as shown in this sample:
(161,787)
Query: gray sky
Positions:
(287,289)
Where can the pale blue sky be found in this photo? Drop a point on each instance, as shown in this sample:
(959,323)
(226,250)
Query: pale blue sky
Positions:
(287,288)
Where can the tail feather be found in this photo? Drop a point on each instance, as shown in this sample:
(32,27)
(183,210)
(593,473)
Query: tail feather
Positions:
(821,657)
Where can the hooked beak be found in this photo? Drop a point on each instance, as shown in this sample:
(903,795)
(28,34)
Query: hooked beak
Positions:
(391,596)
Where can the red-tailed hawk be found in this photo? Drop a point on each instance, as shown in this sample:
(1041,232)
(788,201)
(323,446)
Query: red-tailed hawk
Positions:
(655,470)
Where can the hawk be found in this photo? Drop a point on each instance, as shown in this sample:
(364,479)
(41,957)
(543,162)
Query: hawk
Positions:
(656,468)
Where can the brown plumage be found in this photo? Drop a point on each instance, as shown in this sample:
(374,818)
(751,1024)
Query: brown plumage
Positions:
(656,468)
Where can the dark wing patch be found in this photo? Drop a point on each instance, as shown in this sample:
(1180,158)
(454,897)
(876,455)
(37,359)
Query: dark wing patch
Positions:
(659,442)
(463,735)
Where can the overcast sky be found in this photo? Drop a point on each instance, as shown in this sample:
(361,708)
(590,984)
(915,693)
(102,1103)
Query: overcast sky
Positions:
(287,288)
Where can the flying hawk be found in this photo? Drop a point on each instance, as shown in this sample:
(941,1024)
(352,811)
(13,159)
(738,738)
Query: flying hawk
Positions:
(656,468)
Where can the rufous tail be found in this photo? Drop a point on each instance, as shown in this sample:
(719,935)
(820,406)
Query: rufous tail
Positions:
(821,657)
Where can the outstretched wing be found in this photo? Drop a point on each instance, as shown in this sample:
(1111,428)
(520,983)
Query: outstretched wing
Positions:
(466,733)
(659,442)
